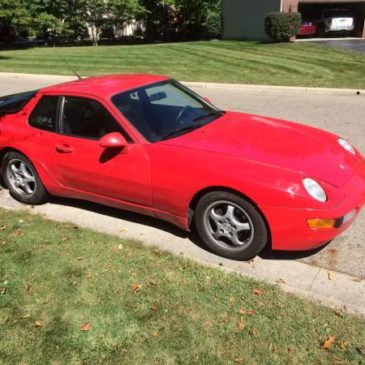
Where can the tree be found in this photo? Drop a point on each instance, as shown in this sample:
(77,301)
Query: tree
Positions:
(13,17)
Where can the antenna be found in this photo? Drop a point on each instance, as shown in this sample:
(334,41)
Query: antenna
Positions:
(67,64)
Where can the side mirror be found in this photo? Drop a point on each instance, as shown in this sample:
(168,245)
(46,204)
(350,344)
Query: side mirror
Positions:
(207,100)
(113,140)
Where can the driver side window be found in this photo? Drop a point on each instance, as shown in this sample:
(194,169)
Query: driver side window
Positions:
(87,118)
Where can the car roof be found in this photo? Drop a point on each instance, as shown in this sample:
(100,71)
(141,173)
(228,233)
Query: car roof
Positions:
(105,86)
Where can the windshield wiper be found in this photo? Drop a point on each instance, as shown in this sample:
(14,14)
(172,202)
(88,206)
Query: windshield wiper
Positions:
(217,113)
(181,131)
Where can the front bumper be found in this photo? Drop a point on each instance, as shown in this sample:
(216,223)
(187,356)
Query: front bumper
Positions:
(289,228)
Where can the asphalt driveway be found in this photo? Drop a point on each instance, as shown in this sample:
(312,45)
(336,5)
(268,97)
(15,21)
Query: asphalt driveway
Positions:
(340,111)
(352,44)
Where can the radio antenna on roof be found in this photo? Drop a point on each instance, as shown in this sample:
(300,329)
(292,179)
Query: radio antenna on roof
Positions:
(67,64)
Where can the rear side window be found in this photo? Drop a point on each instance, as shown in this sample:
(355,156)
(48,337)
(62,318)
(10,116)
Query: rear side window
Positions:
(44,115)
(12,104)
(87,118)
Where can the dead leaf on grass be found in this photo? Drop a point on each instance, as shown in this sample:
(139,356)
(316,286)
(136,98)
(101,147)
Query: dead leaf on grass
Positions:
(16,233)
(361,351)
(329,343)
(238,360)
(344,345)
(252,332)
(257,292)
(330,275)
(3,228)
(38,324)
(136,288)
(337,361)
(154,334)
(247,312)
(240,325)
(154,307)
(85,327)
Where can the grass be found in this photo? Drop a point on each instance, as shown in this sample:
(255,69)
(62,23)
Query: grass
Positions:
(298,64)
(139,305)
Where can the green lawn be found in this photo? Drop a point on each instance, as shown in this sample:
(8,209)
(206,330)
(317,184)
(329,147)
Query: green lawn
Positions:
(73,296)
(298,64)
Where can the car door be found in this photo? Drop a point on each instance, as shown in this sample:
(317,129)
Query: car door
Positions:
(122,174)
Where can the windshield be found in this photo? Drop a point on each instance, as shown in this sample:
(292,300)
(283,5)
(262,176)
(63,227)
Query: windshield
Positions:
(165,110)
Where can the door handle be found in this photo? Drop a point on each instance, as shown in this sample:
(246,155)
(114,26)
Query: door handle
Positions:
(65,148)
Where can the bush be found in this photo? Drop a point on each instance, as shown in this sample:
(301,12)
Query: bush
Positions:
(213,24)
(281,27)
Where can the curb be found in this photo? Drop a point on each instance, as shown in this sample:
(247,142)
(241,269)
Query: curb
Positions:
(206,85)
(334,290)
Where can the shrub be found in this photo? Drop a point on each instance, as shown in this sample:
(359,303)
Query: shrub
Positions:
(213,24)
(280,27)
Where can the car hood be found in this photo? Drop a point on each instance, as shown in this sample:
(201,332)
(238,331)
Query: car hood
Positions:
(290,146)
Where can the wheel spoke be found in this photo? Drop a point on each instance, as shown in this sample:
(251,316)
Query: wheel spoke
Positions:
(236,241)
(215,217)
(230,213)
(27,175)
(14,169)
(28,189)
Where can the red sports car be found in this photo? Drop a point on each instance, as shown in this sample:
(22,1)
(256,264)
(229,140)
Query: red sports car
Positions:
(150,145)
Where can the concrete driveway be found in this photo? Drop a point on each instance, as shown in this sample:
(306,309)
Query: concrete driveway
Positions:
(354,44)
(340,111)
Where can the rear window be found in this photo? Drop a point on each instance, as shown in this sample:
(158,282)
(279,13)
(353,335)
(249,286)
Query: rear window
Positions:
(12,104)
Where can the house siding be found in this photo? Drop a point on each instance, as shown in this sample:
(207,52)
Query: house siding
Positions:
(244,19)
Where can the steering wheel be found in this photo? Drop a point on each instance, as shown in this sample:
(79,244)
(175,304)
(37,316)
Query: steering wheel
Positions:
(183,111)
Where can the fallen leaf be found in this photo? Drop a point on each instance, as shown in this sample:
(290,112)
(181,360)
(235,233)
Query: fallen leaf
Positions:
(25,316)
(136,288)
(280,281)
(357,280)
(238,360)
(337,361)
(344,345)
(252,332)
(154,307)
(361,351)
(207,325)
(85,327)
(3,228)
(338,313)
(330,275)
(329,342)
(16,233)
(241,325)
(120,247)
(122,230)
(154,334)
(38,324)
(247,312)
(153,282)
(257,291)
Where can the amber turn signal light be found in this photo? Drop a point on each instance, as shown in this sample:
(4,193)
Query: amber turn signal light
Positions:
(321,223)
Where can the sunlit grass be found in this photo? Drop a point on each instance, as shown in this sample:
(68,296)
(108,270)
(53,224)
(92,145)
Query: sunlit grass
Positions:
(139,305)
(298,64)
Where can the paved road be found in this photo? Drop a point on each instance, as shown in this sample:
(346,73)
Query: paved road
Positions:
(353,44)
(340,111)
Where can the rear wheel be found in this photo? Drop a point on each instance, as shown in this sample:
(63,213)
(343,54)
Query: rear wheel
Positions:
(230,226)
(22,180)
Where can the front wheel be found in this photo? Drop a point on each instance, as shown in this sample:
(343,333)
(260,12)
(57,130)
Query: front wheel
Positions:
(230,226)
(22,179)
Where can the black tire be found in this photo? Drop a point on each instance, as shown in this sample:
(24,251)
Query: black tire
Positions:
(321,31)
(33,191)
(244,231)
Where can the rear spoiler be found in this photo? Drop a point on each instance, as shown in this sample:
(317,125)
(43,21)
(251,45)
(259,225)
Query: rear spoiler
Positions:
(12,104)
